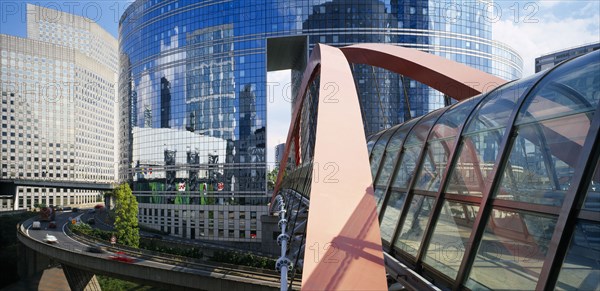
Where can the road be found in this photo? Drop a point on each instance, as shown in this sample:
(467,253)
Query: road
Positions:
(64,240)
(228,273)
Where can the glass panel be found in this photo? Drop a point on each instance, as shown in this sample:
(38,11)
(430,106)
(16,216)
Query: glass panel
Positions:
(441,143)
(452,231)
(592,201)
(572,87)
(378,150)
(372,140)
(434,164)
(392,213)
(412,149)
(406,167)
(512,251)
(413,228)
(419,133)
(543,159)
(450,122)
(581,268)
(476,159)
(391,153)
(482,136)
(389,161)
(496,108)
(379,193)
(386,169)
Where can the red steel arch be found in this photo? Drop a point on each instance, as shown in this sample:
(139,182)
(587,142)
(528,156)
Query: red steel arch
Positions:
(451,78)
(343,244)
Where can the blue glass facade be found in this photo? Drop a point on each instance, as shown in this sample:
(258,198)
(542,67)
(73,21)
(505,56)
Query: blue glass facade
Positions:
(193,81)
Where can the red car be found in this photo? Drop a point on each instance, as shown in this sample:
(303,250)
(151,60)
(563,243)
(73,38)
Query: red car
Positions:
(99,206)
(52,224)
(121,257)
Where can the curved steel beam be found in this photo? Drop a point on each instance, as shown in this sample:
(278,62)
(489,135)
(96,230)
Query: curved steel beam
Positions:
(343,250)
(343,243)
(449,77)
(343,240)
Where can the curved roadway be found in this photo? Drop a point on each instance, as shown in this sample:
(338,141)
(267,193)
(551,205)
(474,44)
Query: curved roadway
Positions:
(147,269)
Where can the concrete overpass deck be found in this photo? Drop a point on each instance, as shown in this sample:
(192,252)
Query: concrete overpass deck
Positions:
(160,271)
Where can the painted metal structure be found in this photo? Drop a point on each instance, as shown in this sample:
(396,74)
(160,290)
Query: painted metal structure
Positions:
(500,191)
(340,243)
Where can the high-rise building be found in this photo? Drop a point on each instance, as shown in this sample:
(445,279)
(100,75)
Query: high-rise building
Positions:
(58,88)
(216,55)
(550,60)
(279,153)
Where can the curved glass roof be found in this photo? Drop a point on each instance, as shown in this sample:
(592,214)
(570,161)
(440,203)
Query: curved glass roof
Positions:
(501,191)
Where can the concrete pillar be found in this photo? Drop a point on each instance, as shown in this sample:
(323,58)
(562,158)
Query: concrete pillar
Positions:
(30,263)
(80,280)
(270,231)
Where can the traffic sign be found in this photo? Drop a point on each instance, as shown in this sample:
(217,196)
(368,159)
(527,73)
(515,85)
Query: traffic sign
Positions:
(113,240)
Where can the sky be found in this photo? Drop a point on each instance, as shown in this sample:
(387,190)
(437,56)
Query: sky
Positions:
(532,28)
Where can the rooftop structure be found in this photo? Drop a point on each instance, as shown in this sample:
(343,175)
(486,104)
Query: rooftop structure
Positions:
(552,59)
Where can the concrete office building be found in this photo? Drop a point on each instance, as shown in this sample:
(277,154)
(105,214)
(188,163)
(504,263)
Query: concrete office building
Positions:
(550,60)
(200,67)
(58,88)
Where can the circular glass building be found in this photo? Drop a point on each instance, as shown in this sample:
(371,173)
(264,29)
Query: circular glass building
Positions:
(193,90)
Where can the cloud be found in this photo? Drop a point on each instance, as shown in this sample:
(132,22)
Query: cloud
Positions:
(550,34)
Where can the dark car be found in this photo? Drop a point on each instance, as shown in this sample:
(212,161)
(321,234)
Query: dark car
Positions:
(52,224)
(75,209)
(98,249)
(91,221)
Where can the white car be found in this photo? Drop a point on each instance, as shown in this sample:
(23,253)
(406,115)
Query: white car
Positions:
(50,239)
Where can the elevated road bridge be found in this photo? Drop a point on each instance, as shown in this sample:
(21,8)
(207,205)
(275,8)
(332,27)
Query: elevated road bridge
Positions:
(80,266)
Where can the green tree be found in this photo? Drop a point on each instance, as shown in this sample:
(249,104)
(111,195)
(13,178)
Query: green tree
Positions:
(126,218)
(272,178)
(108,195)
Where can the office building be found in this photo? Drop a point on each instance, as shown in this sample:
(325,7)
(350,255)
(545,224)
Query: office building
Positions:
(550,60)
(279,153)
(215,55)
(58,88)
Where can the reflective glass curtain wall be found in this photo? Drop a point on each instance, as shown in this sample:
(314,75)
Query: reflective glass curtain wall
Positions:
(193,85)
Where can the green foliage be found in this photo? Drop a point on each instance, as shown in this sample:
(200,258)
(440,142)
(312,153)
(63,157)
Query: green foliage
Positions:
(192,252)
(112,284)
(126,216)
(243,259)
(86,229)
(39,205)
(272,178)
